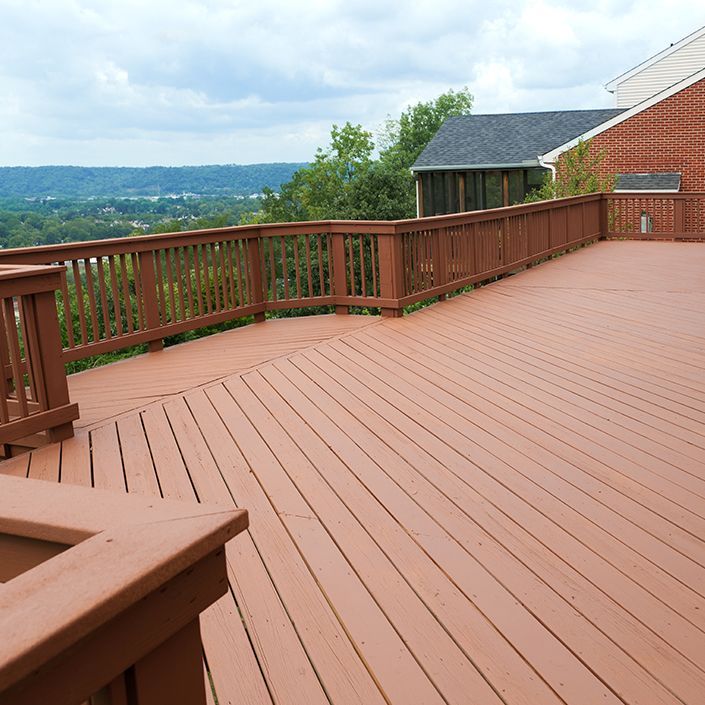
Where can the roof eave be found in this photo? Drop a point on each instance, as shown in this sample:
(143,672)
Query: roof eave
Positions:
(477,167)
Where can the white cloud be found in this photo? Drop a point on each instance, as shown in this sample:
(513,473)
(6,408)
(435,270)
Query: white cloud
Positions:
(135,82)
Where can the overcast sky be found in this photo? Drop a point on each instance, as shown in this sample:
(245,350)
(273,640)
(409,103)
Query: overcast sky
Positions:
(142,82)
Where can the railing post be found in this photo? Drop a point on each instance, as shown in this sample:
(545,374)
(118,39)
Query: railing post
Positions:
(391,271)
(440,259)
(254,257)
(340,276)
(149,297)
(47,346)
(604,216)
(678,216)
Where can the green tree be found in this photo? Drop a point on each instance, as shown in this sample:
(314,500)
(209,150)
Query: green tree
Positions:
(579,171)
(323,189)
(346,182)
(404,139)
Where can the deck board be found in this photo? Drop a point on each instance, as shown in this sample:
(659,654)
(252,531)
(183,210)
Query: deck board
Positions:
(142,380)
(497,499)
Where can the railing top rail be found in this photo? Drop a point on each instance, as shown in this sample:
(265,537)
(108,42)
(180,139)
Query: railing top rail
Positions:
(141,243)
(22,271)
(22,279)
(122,549)
(450,219)
(144,243)
(676,195)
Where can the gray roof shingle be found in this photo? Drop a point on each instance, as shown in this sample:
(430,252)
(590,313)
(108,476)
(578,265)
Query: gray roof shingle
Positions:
(506,139)
(656,181)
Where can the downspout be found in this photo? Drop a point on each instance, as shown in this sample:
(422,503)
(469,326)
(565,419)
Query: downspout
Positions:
(548,165)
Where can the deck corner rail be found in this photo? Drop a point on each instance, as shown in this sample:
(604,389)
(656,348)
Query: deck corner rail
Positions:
(656,216)
(101,594)
(34,397)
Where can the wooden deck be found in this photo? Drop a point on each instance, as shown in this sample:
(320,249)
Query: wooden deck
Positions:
(498,499)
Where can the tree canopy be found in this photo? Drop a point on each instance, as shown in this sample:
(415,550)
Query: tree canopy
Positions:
(346,181)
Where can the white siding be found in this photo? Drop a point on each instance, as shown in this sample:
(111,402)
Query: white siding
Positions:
(663,73)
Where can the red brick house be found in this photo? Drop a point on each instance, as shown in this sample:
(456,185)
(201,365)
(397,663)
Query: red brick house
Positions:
(665,133)
(653,140)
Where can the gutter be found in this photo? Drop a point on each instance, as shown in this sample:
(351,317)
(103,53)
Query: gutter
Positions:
(475,167)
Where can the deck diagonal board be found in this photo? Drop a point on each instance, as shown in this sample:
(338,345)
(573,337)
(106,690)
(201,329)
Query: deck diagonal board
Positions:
(457,526)
(482,389)
(499,499)
(563,480)
(136,382)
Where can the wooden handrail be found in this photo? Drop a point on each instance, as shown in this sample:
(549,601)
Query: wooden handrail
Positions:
(105,585)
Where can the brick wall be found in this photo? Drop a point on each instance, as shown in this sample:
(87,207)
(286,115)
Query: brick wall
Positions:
(668,136)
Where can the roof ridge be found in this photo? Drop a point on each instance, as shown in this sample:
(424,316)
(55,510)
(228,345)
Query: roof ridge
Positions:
(541,112)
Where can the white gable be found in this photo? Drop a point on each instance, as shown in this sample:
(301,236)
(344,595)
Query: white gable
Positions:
(658,73)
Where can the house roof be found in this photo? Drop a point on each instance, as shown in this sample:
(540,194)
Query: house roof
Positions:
(505,140)
(655,181)
(622,115)
(614,83)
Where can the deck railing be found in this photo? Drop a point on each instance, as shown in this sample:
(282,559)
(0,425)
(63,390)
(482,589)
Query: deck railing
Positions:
(100,594)
(34,395)
(112,294)
(642,216)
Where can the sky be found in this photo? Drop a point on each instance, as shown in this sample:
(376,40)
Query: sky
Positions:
(173,82)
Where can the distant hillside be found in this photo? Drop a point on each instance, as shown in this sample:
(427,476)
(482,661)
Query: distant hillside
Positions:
(86,182)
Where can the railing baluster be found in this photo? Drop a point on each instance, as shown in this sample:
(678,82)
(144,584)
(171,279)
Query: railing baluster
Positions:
(66,305)
(91,300)
(228,245)
(27,325)
(170,284)
(6,368)
(189,288)
(363,271)
(242,294)
(308,265)
(321,277)
(137,276)
(206,278)
(272,270)
(116,295)
(159,284)
(216,277)
(351,265)
(179,282)
(15,355)
(296,266)
(79,301)
(255,269)
(107,329)
(340,285)
(129,313)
